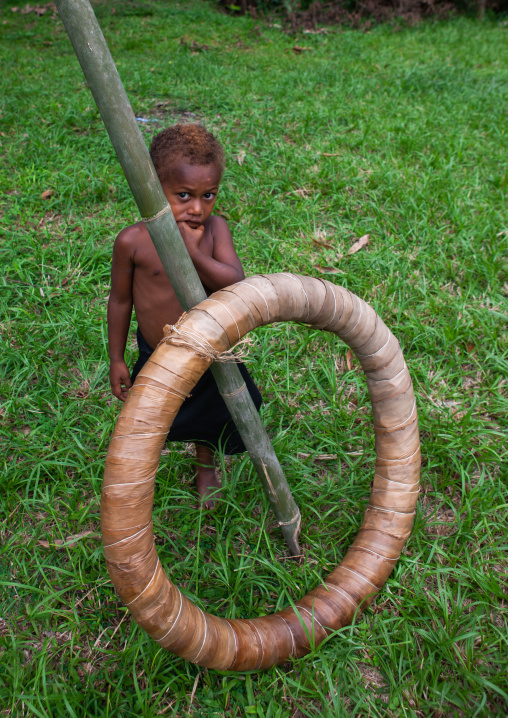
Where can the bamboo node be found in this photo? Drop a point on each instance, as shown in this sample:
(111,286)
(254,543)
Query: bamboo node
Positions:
(238,391)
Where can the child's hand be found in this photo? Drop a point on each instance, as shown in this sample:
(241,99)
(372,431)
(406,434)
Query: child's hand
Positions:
(120,380)
(192,236)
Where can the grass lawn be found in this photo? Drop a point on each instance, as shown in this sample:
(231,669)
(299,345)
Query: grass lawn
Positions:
(399,133)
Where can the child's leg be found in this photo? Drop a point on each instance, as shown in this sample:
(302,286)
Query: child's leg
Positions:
(207,481)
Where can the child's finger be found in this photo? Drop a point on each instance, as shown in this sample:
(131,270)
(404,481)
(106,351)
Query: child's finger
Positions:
(123,388)
(191,233)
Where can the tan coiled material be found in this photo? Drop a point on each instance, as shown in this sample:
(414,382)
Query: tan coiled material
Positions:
(133,458)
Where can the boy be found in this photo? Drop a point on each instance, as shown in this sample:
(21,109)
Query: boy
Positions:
(189,162)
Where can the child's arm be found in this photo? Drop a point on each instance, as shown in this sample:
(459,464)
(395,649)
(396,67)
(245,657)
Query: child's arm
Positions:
(223,267)
(119,314)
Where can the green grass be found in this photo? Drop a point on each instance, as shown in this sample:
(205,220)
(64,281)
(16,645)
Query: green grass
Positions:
(415,119)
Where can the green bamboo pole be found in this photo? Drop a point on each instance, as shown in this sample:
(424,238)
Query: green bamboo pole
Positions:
(109,94)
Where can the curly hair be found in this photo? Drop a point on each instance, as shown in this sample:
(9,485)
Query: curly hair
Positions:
(190,142)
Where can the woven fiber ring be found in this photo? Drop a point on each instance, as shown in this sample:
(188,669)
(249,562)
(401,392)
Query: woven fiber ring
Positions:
(140,433)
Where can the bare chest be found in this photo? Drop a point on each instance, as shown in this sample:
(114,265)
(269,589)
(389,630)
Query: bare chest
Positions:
(148,265)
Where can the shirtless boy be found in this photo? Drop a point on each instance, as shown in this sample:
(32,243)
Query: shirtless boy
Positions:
(189,162)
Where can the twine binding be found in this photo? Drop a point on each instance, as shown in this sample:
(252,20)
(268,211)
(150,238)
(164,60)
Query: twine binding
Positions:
(296,517)
(191,339)
(160,214)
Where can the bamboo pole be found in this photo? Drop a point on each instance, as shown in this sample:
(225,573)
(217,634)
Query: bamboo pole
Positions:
(111,99)
(134,454)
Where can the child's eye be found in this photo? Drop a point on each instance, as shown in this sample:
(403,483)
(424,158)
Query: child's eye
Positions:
(208,195)
(183,195)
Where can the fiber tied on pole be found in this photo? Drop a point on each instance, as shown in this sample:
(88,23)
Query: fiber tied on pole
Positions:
(134,453)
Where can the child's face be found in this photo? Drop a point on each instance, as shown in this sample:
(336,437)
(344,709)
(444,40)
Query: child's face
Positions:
(192,192)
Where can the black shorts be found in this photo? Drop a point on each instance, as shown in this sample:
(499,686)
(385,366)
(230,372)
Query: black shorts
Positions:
(204,417)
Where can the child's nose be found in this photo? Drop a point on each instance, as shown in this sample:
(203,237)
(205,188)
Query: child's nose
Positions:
(195,207)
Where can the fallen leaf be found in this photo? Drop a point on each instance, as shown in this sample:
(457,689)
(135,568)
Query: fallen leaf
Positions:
(470,347)
(47,194)
(15,8)
(319,239)
(349,359)
(77,537)
(318,457)
(297,49)
(322,243)
(68,541)
(240,158)
(328,270)
(362,242)
(330,154)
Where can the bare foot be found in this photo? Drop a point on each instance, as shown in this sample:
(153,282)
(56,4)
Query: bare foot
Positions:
(207,485)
